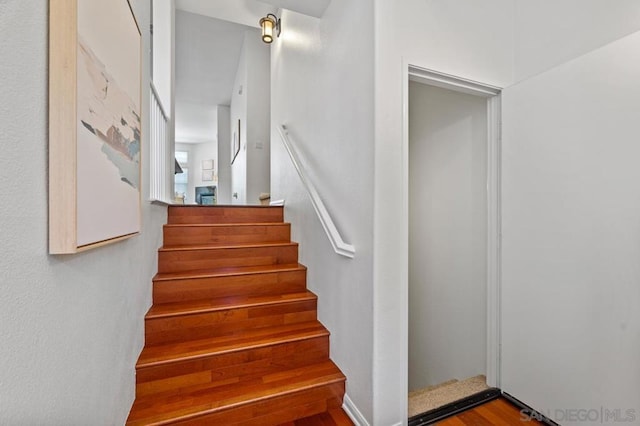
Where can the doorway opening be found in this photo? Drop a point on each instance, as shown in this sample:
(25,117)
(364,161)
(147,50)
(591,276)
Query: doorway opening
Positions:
(453,233)
(211,77)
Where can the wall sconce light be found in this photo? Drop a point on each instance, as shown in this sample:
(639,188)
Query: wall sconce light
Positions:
(270,24)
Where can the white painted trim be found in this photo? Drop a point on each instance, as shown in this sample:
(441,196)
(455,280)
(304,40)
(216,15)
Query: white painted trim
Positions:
(447,81)
(339,246)
(492,94)
(494,234)
(155,93)
(404,235)
(352,411)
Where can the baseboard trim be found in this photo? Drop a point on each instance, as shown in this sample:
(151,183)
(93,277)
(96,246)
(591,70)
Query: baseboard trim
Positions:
(352,411)
(528,411)
(451,409)
(433,416)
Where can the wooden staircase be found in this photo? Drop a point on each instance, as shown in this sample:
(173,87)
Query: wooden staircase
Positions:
(232,337)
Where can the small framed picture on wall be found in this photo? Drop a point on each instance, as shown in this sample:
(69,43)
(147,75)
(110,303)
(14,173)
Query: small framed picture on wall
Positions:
(235,143)
(207,175)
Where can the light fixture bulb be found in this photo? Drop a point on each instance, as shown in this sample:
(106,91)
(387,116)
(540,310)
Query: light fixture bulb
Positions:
(269,24)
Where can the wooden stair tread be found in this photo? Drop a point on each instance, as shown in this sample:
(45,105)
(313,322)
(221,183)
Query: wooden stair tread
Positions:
(222,225)
(224,206)
(233,336)
(195,401)
(229,271)
(225,246)
(260,337)
(231,302)
(225,214)
(225,233)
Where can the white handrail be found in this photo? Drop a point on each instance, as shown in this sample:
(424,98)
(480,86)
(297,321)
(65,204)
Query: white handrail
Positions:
(339,246)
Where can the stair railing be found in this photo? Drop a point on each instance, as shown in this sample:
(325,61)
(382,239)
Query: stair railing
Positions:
(339,246)
(161,158)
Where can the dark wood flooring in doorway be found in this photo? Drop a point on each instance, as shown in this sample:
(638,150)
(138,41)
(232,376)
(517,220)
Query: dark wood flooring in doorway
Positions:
(498,412)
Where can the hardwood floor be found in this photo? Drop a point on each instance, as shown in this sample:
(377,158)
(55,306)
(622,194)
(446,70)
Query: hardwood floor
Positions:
(335,417)
(498,412)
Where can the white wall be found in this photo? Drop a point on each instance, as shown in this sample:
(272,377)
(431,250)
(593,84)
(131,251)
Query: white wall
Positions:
(250,102)
(224,154)
(239,112)
(164,52)
(207,53)
(550,32)
(164,67)
(465,38)
(257,142)
(71,327)
(322,89)
(447,235)
(571,202)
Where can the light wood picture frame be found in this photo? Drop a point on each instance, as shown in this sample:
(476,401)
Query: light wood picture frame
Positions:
(95,125)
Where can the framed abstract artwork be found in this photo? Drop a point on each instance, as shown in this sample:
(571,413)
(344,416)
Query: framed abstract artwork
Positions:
(94,124)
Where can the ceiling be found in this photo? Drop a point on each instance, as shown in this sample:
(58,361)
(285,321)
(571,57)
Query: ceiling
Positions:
(209,36)
(249,12)
(207,54)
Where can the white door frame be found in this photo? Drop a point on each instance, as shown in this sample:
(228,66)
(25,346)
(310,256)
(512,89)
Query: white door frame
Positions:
(492,95)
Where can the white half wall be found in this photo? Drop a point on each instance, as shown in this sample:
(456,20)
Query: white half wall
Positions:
(447,235)
(571,203)
(71,326)
(322,90)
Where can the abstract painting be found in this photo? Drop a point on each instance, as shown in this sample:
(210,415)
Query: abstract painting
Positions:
(102,145)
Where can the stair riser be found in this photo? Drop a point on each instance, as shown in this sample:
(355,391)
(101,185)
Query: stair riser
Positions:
(194,214)
(199,326)
(270,363)
(187,235)
(240,285)
(275,411)
(194,260)
(248,364)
